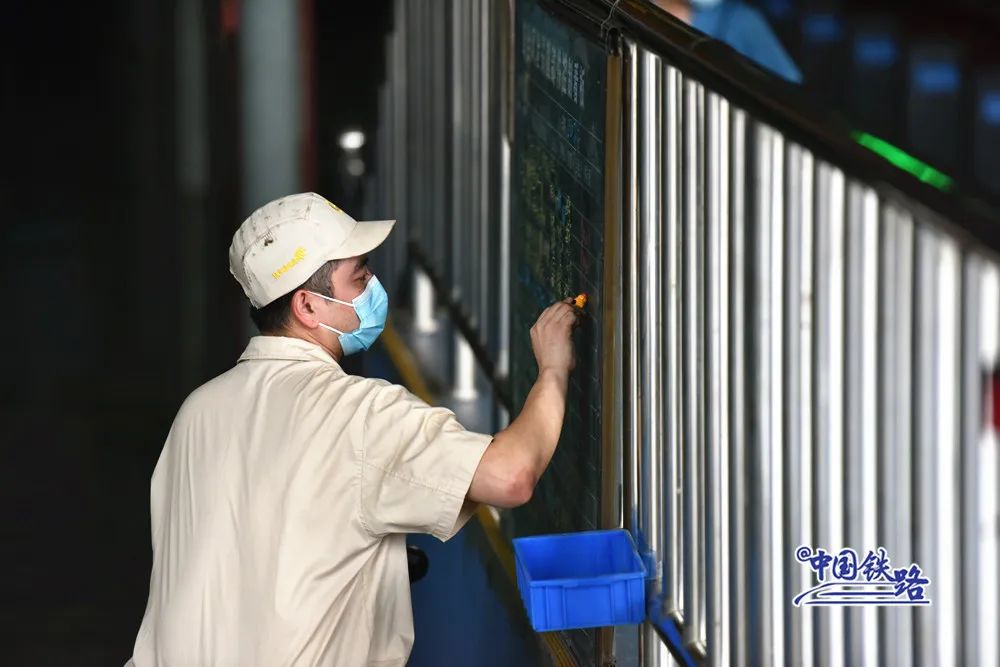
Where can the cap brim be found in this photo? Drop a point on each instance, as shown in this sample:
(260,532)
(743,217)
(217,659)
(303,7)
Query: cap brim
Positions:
(365,237)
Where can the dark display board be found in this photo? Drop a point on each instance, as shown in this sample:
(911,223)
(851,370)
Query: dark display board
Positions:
(557,187)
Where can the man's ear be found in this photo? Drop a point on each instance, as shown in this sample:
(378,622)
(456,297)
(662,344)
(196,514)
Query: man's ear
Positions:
(302,310)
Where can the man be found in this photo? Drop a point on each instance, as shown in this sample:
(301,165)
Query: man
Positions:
(740,26)
(281,498)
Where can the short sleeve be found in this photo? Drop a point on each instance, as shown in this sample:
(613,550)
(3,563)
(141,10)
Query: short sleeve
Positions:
(417,464)
(754,39)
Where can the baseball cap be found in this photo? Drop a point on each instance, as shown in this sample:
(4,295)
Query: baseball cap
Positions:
(285,241)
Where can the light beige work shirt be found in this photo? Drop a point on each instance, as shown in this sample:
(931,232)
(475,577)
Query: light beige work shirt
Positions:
(278,508)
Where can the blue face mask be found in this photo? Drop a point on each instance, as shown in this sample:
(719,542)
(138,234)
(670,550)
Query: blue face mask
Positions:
(372,307)
(705,4)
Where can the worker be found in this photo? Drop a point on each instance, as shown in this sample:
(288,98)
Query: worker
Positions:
(282,496)
(740,26)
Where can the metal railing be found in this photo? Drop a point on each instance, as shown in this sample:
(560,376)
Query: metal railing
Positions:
(811,333)
(816,348)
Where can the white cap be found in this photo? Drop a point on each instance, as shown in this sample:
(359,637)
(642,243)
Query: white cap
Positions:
(285,241)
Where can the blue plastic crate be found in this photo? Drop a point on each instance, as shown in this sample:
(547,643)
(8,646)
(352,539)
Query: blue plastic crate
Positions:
(581,580)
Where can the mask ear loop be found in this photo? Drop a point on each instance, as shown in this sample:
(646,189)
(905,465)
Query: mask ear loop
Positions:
(330,298)
(329,328)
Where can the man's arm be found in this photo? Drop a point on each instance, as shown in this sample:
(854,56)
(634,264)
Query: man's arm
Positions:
(518,455)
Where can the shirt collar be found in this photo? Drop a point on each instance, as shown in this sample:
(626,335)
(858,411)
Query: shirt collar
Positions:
(285,348)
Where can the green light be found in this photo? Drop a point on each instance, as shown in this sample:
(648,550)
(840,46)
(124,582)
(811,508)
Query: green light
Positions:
(904,161)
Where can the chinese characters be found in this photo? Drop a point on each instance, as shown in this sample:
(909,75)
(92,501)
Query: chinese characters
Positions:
(843,580)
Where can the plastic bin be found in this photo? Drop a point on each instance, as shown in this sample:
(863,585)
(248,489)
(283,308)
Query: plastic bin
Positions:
(580,580)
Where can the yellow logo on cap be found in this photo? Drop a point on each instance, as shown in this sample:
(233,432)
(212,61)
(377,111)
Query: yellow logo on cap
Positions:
(300,254)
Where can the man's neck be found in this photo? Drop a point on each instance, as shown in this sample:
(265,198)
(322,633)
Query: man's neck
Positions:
(316,338)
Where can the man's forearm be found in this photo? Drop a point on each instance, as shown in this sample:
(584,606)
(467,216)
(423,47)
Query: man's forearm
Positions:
(535,431)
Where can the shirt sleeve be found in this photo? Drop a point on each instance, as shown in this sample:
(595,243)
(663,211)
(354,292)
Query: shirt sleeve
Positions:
(417,464)
(757,41)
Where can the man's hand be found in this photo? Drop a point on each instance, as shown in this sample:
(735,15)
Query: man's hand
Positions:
(551,337)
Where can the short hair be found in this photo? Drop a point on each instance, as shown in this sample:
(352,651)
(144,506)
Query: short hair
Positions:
(273,317)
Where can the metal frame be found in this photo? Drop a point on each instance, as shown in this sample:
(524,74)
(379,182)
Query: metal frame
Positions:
(612,508)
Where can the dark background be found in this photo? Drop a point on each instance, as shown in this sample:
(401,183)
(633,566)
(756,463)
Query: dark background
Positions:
(103,331)
(944,127)
(112,314)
